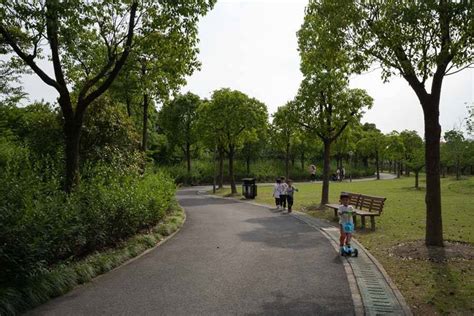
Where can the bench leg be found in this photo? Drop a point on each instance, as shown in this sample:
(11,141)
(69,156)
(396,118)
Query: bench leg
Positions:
(372,223)
(354,218)
(363,221)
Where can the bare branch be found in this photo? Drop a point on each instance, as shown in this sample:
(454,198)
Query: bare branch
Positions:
(118,65)
(458,70)
(27,59)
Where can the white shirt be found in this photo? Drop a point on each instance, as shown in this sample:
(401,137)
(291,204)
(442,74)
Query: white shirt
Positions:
(345,214)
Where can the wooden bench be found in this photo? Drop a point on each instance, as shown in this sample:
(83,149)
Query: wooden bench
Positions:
(364,206)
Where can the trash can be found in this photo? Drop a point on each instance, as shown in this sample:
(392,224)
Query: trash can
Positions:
(249,188)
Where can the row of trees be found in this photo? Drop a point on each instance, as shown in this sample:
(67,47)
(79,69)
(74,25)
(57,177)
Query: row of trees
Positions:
(421,41)
(151,44)
(232,123)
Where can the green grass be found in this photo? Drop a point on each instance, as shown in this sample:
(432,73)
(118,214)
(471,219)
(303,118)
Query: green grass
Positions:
(429,287)
(61,279)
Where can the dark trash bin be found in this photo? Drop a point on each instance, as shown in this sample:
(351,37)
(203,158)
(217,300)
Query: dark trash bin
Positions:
(249,188)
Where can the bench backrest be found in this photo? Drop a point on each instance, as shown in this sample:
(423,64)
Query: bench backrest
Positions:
(367,202)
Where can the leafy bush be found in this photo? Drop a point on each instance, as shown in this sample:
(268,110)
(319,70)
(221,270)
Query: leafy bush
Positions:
(41,226)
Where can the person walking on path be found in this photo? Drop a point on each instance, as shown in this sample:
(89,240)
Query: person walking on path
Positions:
(276,193)
(290,191)
(338,174)
(283,188)
(312,171)
(346,224)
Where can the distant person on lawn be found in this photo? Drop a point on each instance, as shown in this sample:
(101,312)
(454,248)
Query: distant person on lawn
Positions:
(312,171)
(290,191)
(276,193)
(346,224)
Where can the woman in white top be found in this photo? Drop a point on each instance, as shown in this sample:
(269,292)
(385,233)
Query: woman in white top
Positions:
(276,193)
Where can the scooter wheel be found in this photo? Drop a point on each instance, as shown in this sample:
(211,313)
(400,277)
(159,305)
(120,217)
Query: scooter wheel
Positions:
(356,252)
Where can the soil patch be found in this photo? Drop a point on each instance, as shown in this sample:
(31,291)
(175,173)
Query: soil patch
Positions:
(417,250)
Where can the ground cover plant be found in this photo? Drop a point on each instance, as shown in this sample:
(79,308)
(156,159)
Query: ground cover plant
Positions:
(429,287)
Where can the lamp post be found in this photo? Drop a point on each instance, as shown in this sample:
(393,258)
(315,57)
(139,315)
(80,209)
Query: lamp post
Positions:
(351,153)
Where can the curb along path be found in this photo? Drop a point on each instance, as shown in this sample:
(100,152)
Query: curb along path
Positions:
(373,292)
(378,293)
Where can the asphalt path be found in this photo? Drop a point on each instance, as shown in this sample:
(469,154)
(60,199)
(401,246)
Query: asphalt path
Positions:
(229,258)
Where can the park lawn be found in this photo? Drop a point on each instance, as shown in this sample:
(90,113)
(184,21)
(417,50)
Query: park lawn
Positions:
(427,286)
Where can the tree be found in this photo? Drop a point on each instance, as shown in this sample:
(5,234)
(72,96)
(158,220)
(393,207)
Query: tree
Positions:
(395,150)
(88,44)
(325,104)
(417,162)
(253,148)
(412,142)
(228,120)
(455,149)
(372,145)
(284,132)
(423,41)
(178,120)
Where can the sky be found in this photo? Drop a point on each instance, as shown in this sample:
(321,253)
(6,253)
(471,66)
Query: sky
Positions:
(251,46)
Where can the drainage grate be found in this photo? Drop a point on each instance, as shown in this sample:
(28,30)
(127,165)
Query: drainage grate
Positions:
(377,296)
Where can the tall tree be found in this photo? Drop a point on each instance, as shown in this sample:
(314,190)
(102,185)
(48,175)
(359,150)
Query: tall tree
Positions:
(230,119)
(325,103)
(284,132)
(88,43)
(178,119)
(422,41)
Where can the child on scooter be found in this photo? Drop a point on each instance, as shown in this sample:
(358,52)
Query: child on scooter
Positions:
(346,224)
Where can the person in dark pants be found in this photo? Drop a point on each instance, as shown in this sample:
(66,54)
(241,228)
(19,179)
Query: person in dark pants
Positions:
(290,191)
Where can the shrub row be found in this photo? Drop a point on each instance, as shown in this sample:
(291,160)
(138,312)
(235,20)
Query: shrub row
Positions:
(40,226)
(64,277)
(202,172)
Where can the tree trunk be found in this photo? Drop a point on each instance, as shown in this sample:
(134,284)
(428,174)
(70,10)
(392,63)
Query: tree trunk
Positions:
(326,171)
(399,168)
(129,105)
(247,161)
(377,164)
(188,156)
(145,122)
(221,168)
(233,187)
(417,172)
(434,226)
(72,132)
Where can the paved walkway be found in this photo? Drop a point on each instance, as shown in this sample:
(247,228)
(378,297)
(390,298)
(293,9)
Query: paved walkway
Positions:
(383,176)
(229,258)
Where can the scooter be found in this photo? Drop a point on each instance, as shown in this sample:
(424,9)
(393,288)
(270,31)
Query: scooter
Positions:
(349,251)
